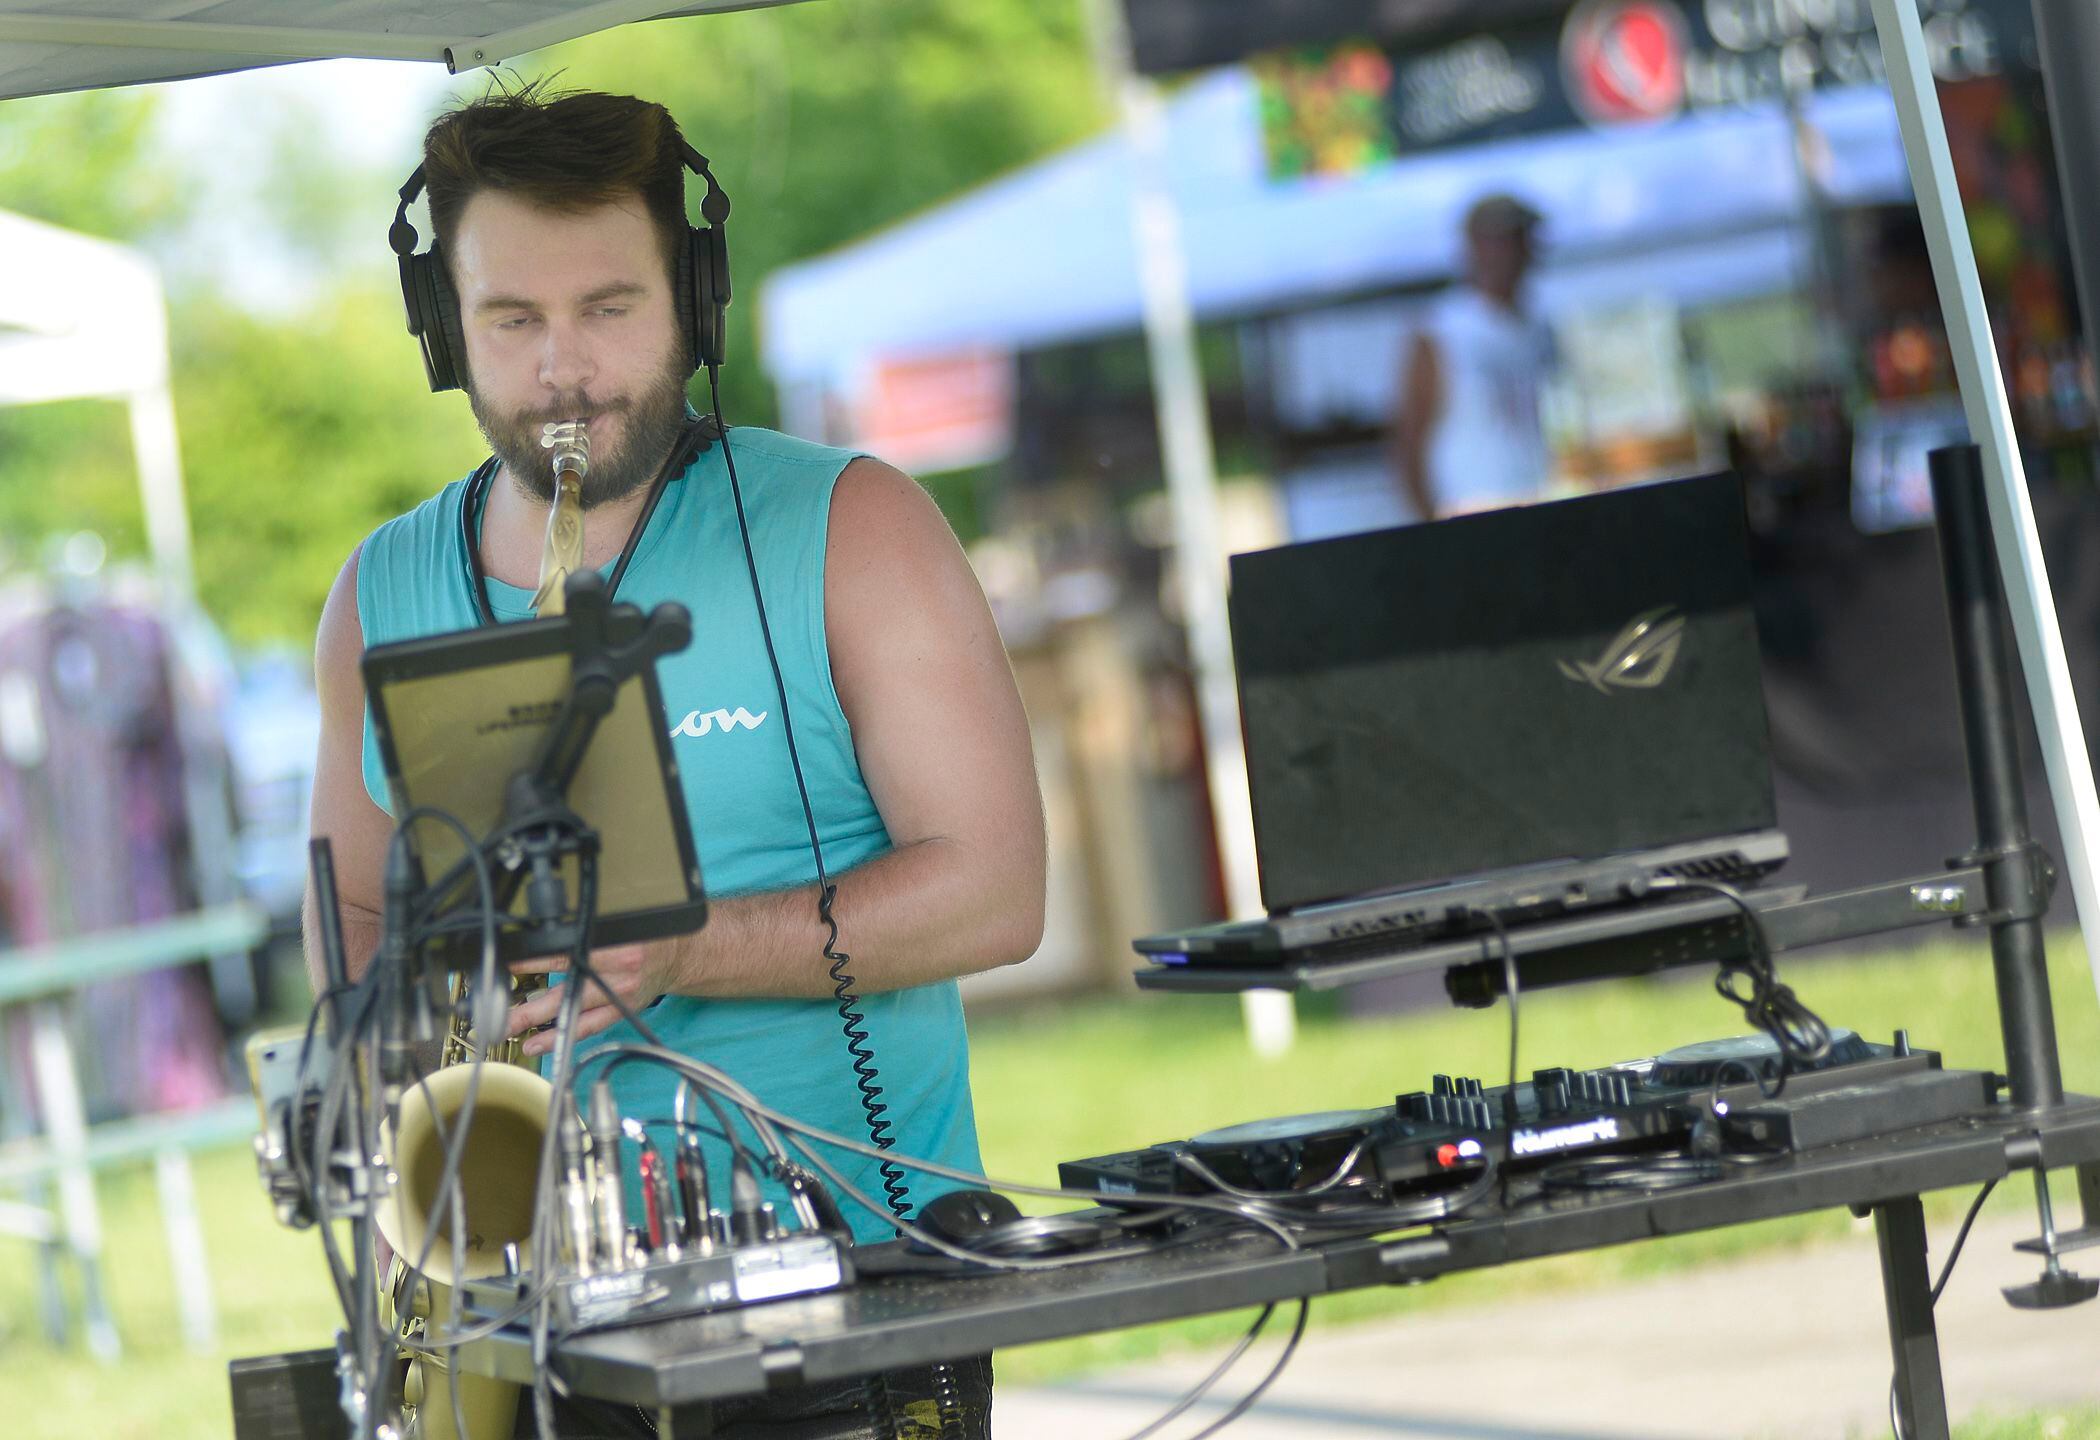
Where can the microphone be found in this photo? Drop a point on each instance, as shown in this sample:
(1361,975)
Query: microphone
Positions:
(562,554)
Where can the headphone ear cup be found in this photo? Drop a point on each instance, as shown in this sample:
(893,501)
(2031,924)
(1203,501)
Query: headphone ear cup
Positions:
(447,346)
(685,298)
(710,267)
(433,318)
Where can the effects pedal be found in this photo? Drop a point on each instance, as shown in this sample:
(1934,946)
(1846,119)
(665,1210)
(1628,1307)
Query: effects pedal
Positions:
(692,1283)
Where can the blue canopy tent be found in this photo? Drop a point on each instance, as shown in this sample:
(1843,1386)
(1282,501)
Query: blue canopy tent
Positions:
(1046,255)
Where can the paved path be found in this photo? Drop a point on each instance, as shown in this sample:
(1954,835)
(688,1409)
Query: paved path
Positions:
(1792,1345)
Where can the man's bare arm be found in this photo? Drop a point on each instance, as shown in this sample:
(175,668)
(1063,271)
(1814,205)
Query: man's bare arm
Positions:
(925,912)
(943,744)
(357,830)
(1415,418)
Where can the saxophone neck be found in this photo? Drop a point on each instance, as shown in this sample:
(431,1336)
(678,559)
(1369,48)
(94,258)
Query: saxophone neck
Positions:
(568,443)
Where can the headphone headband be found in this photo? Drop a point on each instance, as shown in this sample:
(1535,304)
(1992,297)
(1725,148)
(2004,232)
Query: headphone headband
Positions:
(714,205)
(699,283)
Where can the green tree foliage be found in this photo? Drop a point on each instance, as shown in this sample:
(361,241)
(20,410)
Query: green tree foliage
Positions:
(87,162)
(826,122)
(301,431)
(64,467)
(298,439)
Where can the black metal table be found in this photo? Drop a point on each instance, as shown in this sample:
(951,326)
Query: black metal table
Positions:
(910,1320)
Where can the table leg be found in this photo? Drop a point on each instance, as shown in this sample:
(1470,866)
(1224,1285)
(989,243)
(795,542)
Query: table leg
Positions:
(1906,1286)
(35,1221)
(65,1123)
(178,1213)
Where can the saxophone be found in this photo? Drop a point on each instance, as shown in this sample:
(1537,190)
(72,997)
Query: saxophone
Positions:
(512,1106)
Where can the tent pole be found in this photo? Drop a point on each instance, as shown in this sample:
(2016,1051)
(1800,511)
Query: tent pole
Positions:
(159,456)
(2018,543)
(1192,488)
(207,816)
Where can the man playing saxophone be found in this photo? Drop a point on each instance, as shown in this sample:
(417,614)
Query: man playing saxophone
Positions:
(561,235)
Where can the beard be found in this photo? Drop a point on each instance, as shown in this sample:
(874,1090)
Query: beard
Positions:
(649,422)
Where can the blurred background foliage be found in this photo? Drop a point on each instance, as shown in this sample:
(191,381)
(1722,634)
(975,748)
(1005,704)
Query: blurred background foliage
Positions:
(305,421)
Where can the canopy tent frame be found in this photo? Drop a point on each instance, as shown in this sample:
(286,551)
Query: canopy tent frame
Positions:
(291,42)
(216,46)
(116,351)
(2029,600)
(1183,422)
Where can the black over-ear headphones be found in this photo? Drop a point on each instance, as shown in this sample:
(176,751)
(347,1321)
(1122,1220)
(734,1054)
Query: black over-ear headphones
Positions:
(700,285)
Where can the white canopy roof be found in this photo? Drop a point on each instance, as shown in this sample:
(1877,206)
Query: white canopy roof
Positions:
(82,318)
(47,46)
(78,316)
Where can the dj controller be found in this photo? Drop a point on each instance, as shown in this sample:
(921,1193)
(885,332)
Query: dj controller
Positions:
(1719,1097)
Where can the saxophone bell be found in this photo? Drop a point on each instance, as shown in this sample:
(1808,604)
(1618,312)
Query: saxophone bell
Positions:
(499,1156)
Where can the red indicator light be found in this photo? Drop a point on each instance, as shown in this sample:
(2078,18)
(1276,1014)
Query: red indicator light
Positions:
(1447,1155)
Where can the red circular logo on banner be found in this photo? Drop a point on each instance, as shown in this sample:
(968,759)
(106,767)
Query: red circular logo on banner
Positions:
(1623,60)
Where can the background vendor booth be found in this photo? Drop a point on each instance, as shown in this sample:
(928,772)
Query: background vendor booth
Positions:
(1739,284)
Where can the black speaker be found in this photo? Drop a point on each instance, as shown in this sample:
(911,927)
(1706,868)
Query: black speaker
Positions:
(699,279)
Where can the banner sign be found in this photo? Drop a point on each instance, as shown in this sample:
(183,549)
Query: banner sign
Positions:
(1343,108)
(941,412)
(1175,35)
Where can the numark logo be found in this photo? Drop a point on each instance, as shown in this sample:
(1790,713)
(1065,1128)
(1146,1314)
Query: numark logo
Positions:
(1638,658)
(700,722)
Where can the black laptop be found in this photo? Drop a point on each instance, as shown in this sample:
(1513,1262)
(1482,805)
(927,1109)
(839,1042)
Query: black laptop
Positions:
(1521,712)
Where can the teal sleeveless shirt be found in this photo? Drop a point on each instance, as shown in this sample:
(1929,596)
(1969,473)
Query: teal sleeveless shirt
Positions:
(747,822)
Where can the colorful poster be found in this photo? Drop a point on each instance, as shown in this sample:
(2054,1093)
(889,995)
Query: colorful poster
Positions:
(1324,111)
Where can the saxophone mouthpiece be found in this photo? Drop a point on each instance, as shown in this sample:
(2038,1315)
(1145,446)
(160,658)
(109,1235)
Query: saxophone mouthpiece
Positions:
(570,440)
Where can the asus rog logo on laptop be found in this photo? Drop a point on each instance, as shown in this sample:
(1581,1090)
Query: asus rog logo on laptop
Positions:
(1638,658)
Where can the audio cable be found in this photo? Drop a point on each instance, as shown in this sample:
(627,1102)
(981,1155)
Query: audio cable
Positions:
(813,1140)
(1769,1005)
(860,1048)
(844,991)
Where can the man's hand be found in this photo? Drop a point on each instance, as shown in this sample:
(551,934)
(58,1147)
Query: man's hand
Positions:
(638,974)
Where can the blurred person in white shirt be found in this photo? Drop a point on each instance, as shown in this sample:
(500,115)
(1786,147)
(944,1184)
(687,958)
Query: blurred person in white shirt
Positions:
(1466,433)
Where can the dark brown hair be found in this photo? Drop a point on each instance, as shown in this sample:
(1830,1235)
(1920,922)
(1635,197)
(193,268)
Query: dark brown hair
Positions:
(564,150)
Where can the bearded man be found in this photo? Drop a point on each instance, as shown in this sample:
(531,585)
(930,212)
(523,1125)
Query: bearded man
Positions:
(562,236)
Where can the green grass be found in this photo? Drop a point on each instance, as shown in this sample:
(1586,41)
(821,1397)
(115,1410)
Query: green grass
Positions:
(1118,1074)
(2079,1423)
(1059,1082)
